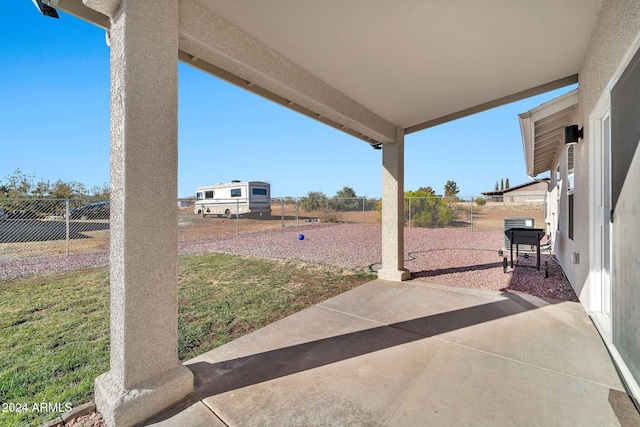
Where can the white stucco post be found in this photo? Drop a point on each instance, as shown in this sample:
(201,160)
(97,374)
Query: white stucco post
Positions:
(145,373)
(393,210)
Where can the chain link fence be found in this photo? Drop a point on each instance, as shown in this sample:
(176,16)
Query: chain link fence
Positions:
(474,213)
(36,227)
(299,210)
(41,227)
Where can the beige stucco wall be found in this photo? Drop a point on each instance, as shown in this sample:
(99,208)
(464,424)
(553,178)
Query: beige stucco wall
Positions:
(533,192)
(618,27)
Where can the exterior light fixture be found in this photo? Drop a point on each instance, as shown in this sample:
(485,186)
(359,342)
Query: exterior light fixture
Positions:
(377,146)
(47,7)
(572,134)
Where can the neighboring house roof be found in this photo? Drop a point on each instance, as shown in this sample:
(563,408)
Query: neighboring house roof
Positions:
(517,187)
(543,132)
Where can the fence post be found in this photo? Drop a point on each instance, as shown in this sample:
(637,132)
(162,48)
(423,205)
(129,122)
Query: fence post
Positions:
(472,214)
(327,211)
(282,211)
(66,209)
(409,212)
(544,212)
(237,217)
(297,212)
(363,199)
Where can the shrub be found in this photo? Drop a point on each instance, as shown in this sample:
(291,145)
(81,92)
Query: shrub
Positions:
(314,201)
(481,201)
(427,209)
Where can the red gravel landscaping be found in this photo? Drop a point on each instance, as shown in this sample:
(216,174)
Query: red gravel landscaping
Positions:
(453,256)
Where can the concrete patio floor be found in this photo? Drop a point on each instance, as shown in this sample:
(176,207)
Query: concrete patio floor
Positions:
(409,353)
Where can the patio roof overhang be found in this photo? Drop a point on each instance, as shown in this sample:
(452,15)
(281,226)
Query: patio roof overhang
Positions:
(543,132)
(368,68)
(377,70)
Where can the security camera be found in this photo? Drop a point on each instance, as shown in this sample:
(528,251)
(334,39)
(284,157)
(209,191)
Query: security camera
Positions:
(47,7)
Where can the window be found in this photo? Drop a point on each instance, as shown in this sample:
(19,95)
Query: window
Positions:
(259,191)
(570,191)
(570,228)
(208,194)
(199,196)
(570,168)
(625,126)
(236,192)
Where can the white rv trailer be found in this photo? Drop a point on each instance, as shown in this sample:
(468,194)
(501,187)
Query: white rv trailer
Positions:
(236,197)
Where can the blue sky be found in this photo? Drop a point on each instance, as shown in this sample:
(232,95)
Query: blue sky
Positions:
(54,124)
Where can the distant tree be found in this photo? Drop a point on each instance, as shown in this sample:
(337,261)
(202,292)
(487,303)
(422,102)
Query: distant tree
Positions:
(42,188)
(506,184)
(497,187)
(66,190)
(502,184)
(18,184)
(345,200)
(346,192)
(314,201)
(451,189)
(101,192)
(427,190)
(21,185)
(481,201)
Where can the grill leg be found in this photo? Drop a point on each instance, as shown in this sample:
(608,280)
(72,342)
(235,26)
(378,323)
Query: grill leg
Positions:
(512,254)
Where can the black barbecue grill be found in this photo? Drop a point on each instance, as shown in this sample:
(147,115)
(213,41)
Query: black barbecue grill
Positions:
(525,236)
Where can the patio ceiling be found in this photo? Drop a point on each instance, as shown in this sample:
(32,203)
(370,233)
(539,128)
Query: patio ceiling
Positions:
(368,67)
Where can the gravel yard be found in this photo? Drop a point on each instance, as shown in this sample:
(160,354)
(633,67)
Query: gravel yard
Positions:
(453,256)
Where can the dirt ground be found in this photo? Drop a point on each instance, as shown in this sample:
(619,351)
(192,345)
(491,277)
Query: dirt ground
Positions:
(192,227)
(493,219)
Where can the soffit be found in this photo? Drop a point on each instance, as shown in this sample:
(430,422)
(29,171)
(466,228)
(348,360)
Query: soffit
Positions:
(412,62)
(543,132)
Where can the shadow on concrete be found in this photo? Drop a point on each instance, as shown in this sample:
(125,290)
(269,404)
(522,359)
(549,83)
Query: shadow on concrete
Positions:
(213,379)
(452,270)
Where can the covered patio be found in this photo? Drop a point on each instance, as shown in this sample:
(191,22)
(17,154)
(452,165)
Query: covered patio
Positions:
(378,72)
(407,354)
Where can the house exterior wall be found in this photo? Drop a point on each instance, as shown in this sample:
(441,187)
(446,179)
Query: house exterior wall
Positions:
(565,247)
(617,30)
(531,193)
(551,215)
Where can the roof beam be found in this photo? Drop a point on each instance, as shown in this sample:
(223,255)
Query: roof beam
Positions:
(78,9)
(220,44)
(556,84)
(105,7)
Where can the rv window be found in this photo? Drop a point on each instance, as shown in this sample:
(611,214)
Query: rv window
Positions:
(208,194)
(236,192)
(198,196)
(259,191)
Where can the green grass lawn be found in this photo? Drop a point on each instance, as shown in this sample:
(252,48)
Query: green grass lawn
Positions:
(55,328)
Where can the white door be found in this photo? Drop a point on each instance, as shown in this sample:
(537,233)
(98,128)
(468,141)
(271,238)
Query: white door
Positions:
(601,285)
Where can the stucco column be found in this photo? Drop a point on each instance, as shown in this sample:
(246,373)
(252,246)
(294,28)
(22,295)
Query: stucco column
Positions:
(145,373)
(393,210)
